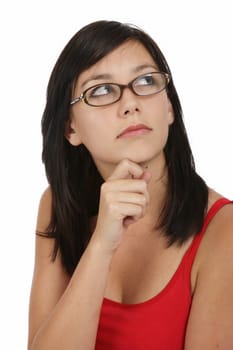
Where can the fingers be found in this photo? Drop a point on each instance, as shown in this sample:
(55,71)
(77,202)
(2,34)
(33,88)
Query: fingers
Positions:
(139,199)
(124,198)
(127,169)
(146,176)
(127,191)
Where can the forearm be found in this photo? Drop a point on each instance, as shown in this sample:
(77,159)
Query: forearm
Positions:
(74,321)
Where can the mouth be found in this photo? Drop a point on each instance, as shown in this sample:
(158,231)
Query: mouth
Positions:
(135,130)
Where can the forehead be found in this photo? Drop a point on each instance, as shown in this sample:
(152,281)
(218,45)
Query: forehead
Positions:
(128,59)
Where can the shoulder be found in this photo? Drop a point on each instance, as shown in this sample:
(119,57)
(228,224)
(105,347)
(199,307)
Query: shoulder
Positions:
(219,234)
(218,237)
(220,228)
(49,277)
(211,317)
(44,210)
(46,197)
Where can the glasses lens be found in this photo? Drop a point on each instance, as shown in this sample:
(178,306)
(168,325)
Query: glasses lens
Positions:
(102,94)
(149,84)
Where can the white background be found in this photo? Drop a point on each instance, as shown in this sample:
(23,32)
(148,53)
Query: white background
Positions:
(196,38)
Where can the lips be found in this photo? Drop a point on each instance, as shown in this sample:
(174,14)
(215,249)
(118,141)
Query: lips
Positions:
(134,130)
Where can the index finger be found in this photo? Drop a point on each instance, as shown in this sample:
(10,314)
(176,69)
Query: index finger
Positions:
(127,169)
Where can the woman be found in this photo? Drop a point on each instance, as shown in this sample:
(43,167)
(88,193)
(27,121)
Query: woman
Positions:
(133,250)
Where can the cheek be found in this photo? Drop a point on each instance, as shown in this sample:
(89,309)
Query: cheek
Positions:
(161,111)
(92,131)
(84,121)
(162,118)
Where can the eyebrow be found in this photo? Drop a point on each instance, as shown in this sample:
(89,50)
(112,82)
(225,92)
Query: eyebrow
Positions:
(96,77)
(136,69)
(143,66)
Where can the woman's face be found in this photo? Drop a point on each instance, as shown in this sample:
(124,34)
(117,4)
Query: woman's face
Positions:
(101,129)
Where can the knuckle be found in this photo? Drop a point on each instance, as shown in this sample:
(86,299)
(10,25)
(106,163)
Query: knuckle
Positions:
(105,187)
(143,185)
(106,194)
(114,210)
(108,197)
(140,212)
(125,162)
(143,200)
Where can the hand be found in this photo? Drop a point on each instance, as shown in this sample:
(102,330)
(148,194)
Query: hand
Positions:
(123,200)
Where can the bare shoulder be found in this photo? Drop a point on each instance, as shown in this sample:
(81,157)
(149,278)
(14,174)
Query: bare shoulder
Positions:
(221,225)
(217,242)
(44,210)
(44,245)
(220,230)
(211,317)
(49,278)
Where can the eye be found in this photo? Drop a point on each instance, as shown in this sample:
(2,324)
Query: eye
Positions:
(100,90)
(147,79)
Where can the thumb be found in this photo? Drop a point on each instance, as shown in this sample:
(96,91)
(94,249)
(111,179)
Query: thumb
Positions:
(146,176)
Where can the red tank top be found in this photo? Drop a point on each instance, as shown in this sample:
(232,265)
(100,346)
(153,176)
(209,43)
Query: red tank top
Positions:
(158,323)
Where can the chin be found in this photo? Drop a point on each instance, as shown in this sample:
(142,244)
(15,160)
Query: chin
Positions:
(145,159)
(139,159)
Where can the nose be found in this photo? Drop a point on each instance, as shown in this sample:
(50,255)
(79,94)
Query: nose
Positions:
(129,103)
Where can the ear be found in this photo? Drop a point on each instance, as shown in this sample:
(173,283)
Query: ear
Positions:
(71,133)
(171,117)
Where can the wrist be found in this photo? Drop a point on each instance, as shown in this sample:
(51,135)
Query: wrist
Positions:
(98,247)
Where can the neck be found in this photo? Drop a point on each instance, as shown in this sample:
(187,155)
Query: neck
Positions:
(157,188)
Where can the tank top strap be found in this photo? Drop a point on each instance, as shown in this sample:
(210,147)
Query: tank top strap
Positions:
(192,250)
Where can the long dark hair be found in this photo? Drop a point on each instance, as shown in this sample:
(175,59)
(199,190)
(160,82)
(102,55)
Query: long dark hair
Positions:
(74,180)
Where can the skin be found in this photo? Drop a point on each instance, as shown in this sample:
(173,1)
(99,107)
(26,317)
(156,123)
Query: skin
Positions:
(155,112)
(64,310)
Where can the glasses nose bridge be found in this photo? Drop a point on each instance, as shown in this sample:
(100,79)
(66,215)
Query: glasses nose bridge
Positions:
(126,86)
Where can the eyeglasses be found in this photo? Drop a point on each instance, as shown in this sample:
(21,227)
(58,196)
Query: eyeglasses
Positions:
(108,93)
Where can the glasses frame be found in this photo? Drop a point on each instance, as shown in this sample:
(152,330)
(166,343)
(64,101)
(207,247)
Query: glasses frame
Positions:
(122,87)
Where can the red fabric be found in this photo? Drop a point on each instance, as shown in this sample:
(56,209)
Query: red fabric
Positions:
(160,322)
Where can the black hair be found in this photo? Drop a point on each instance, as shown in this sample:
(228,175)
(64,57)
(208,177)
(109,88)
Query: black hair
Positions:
(73,177)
